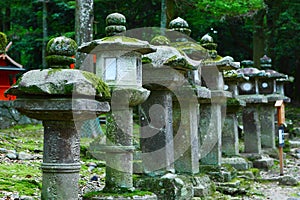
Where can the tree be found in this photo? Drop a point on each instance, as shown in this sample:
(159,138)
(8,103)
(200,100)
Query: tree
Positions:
(83,26)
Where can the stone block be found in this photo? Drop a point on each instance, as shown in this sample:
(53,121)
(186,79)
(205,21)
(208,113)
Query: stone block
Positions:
(169,186)
(237,162)
(264,163)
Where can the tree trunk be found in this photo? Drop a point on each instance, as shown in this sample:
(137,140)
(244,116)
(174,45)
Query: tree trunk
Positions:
(83,26)
(45,33)
(163,15)
(258,37)
(170,10)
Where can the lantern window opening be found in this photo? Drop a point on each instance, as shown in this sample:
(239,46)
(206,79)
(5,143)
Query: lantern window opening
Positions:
(246,86)
(226,87)
(110,69)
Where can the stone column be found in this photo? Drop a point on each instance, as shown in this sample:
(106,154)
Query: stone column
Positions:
(185,125)
(230,138)
(61,158)
(252,129)
(157,132)
(210,129)
(119,150)
(267,119)
(251,121)
(62,119)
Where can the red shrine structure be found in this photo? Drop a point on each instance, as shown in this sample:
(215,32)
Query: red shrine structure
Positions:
(8,71)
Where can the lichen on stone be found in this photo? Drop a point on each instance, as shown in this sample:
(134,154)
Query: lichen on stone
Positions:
(61,46)
(59,61)
(101,87)
(160,40)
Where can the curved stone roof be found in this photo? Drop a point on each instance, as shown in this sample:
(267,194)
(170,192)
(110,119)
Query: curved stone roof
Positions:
(117,43)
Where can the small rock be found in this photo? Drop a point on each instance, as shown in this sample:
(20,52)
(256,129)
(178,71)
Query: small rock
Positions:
(94,178)
(26,198)
(294,144)
(3,150)
(288,180)
(24,156)
(91,166)
(12,156)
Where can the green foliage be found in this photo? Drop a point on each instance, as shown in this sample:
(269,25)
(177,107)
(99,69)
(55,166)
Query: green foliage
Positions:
(224,8)
(3,42)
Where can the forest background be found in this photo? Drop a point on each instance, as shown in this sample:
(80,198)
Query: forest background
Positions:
(243,29)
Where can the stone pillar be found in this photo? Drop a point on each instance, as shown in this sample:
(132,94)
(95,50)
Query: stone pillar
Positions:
(252,129)
(210,129)
(157,132)
(230,138)
(119,150)
(61,158)
(212,116)
(185,125)
(267,119)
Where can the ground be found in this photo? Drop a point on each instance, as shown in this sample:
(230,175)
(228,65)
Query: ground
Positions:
(21,179)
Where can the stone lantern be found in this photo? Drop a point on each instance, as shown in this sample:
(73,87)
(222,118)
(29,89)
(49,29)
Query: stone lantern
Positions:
(268,87)
(249,92)
(212,111)
(62,99)
(230,140)
(165,76)
(118,63)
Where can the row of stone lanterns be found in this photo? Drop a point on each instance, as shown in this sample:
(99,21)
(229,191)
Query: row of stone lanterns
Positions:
(259,90)
(181,118)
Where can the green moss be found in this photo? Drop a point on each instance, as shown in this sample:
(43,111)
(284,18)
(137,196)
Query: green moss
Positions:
(123,38)
(101,86)
(125,194)
(3,42)
(61,46)
(255,172)
(146,60)
(59,61)
(53,71)
(160,40)
(24,178)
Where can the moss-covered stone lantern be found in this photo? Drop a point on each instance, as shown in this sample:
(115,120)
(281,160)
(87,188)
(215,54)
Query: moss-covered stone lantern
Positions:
(119,64)
(62,99)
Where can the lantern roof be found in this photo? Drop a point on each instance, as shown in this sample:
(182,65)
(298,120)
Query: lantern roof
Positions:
(114,43)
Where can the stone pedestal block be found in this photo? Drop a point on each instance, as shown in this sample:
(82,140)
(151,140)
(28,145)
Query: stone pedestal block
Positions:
(252,129)
(230,139)
(157,132)
(267,119)
(186,143)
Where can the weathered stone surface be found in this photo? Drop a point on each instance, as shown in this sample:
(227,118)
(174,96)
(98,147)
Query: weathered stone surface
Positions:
(9,116)
(60,108)
(60,82)
(61,46)
(267,120)
(117,42)
(288,180)
(203,186)
(157,132)
(24,156)
(237,162)
(170,56)
(230,139)
(169,186)
(252,129)
(264,163)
